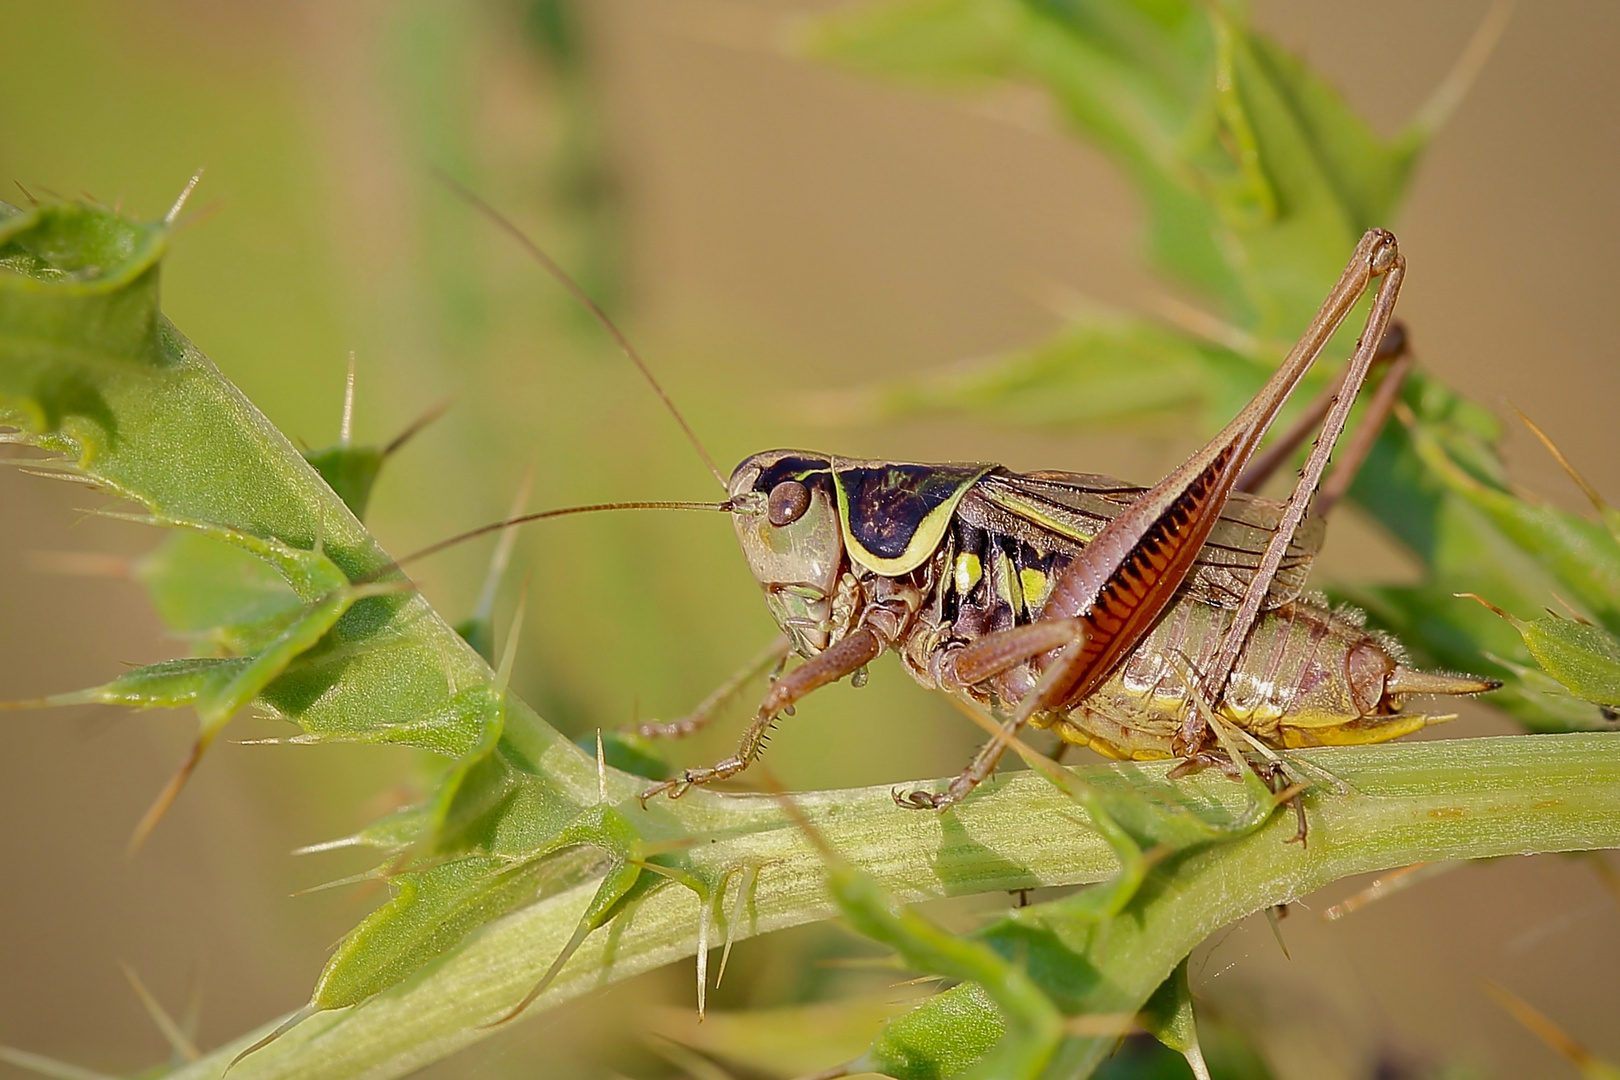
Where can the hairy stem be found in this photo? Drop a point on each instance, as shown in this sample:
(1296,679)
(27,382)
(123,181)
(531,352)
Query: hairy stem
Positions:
(1408,803)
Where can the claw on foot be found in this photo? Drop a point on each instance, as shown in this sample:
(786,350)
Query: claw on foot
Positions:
(1278,782)
(922,800)
(675,788)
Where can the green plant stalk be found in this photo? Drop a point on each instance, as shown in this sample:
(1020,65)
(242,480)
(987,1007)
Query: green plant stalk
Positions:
(1409,803)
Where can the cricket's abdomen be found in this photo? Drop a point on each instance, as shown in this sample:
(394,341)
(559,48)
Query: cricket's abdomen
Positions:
(1308,677)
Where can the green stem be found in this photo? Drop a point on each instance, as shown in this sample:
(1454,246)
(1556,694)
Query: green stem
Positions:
(1465,799)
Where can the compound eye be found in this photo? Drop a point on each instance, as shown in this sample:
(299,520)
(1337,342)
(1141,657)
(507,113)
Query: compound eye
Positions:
(787,503)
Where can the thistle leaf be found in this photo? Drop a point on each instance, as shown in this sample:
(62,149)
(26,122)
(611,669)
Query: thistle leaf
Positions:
(270,562)
(1584,658)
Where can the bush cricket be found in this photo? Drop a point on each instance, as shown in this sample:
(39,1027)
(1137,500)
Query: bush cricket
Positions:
(1122,618)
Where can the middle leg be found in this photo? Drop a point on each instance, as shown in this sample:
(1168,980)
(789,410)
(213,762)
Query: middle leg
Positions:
(772,657)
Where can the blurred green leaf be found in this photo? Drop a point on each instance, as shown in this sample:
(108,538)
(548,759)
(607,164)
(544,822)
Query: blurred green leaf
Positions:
(793,1040)
(1233,1053)
(1258,178)
(1140,1057)
(351,471)
(1584,658)
(1029,1025)
(1256,175)
(1230,1055)
(1581,554)
(1168,1016)
(200,586)
(1097,372)
(958,1029)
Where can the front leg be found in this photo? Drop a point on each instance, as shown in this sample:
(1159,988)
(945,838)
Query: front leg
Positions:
(770,660)
(844,658)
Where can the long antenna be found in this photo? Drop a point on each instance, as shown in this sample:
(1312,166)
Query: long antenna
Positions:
(434,549)
(505,224)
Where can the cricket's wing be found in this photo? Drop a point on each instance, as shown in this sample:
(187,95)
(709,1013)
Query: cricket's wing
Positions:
(1062,511)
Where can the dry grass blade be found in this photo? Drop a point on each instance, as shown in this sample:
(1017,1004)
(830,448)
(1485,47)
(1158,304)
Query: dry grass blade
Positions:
(172,1032)
(1543,1028)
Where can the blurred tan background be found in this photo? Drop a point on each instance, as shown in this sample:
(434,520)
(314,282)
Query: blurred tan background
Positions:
(766,227)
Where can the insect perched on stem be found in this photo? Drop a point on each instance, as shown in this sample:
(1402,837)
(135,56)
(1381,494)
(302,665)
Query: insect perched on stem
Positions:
(1126,619)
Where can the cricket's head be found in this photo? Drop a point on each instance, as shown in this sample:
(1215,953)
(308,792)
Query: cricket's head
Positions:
(786,514)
